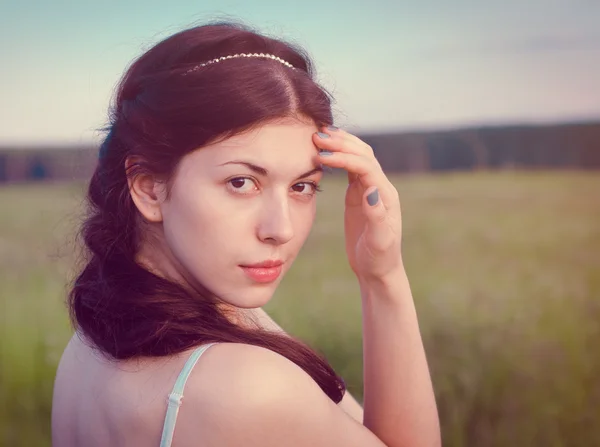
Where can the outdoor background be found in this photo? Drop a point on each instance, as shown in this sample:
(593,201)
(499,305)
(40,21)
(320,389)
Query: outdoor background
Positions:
(486,117)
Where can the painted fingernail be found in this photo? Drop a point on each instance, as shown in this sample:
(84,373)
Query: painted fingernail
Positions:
(322,135)
(325,153)
(373,198)
(332,128)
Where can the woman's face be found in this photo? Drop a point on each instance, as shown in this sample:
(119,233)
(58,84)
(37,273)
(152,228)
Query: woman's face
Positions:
(248,200)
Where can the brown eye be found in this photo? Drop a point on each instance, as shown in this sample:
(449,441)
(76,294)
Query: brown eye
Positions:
(306,188)
(242,185)
(238,182)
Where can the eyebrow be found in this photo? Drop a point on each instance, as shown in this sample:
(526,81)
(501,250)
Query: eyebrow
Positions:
(264,172)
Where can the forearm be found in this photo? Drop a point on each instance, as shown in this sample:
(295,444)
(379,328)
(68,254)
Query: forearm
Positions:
(399,403)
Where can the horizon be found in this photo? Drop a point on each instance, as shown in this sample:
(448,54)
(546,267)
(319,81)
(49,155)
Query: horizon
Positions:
(368,133)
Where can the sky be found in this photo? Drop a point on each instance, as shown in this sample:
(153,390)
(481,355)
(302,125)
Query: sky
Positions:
(390,64)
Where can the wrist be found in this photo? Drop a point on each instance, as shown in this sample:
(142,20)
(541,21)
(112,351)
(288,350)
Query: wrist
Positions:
(383,279)
(393,285)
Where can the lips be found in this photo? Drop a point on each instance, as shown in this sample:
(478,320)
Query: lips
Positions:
(263,272)
(265,264)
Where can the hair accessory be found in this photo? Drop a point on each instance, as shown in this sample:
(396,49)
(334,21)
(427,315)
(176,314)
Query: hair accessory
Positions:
(233,56)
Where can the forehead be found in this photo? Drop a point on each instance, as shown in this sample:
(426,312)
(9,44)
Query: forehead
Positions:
(285,147)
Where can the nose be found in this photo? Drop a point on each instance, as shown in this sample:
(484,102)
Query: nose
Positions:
(275,226)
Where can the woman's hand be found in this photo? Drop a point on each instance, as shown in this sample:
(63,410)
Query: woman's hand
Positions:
(372,219)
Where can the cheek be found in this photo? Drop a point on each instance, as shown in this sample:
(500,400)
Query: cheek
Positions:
(202,235)
(304,218)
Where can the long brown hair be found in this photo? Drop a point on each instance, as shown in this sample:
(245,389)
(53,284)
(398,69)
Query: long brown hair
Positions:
(162,111)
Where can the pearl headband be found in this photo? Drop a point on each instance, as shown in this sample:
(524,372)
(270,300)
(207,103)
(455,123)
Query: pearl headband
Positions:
(232,56)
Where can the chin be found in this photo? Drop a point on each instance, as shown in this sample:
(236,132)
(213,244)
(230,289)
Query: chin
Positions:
(249,297)
(255,298)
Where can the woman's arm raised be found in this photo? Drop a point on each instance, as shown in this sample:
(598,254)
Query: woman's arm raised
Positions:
(399,402)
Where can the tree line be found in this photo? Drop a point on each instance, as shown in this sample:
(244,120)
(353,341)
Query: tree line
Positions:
(563,146)
(570,146)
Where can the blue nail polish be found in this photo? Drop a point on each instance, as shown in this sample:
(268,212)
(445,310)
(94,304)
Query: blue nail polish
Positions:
(332,128)
(325,153)
(322,135)
(373,198)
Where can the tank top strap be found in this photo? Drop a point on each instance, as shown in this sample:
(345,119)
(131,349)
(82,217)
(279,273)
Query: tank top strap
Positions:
(174,401)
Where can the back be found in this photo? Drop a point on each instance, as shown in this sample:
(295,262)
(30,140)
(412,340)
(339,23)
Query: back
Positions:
(237,394)
(98,402)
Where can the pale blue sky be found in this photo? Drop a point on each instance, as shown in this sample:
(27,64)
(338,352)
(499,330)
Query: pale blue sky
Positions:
(390,64)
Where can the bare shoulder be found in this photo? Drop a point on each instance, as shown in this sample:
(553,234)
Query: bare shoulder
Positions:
(247,395)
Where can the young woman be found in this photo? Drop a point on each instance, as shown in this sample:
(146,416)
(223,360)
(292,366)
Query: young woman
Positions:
(203,195)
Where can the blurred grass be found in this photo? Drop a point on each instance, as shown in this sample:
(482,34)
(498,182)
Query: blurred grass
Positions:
(505,271)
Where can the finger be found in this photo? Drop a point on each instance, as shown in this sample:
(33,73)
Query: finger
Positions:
(378,231)
(366,170)
(332,141)
(350,139)
(354,164)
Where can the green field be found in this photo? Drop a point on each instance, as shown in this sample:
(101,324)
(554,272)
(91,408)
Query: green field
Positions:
(505,271)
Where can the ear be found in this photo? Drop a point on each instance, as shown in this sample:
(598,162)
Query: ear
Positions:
(146,191)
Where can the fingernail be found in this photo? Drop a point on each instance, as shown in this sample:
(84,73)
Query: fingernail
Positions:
(322,135)
(325,153)
(373,198)
(332,128)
